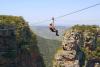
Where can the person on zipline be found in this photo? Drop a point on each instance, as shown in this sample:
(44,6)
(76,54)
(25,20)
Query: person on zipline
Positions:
(52,27)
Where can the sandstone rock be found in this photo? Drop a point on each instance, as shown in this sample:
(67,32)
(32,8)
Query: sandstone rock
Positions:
(66,57)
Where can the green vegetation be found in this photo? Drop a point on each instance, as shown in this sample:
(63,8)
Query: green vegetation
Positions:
(92,54)
(82,28)
(47,49)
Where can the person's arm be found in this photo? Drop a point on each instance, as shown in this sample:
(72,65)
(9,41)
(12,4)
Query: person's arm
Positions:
(53,22)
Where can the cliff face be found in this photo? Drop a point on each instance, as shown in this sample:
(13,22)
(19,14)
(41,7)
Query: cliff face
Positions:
(66,57)
(8,47)
(78,45)
(18,44)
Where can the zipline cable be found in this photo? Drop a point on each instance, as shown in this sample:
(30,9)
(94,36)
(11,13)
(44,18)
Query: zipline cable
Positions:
(70,13)
(77,11)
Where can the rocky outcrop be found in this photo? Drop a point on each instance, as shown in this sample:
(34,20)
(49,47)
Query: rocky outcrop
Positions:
(79,44)
(67,56)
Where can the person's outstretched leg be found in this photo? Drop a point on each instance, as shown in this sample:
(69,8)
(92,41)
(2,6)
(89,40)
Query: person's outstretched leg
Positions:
(57,33)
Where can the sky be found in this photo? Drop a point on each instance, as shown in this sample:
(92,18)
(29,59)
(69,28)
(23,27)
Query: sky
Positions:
(36,11)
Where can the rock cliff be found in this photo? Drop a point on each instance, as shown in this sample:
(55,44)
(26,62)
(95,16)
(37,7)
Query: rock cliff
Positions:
(76,43)
(18,44)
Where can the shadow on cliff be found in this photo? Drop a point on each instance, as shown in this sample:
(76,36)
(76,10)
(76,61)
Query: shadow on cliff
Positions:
(30,56)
